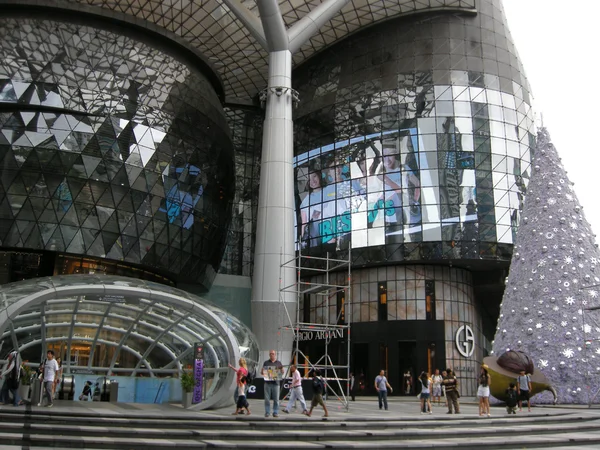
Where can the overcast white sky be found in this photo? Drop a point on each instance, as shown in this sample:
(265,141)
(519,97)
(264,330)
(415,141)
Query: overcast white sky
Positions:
(558,44)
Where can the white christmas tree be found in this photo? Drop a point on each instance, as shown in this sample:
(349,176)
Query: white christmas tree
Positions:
(554,284)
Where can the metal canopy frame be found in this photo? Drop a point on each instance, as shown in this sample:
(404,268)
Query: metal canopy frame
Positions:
(24,306)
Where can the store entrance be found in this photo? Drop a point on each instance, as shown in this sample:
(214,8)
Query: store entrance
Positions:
(407,363)
(360,353)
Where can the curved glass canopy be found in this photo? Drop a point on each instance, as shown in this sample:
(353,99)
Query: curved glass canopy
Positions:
(123,326)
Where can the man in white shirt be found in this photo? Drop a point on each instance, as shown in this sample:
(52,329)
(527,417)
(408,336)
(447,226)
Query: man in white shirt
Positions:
(50,368)
(296,391)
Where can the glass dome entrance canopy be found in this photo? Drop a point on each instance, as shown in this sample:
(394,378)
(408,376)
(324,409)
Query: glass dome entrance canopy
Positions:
(123,326)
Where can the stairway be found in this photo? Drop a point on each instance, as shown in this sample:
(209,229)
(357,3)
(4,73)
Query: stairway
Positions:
(40,428)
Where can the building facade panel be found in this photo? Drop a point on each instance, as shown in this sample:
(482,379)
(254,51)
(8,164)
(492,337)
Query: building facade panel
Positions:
(111,148)
(413,144)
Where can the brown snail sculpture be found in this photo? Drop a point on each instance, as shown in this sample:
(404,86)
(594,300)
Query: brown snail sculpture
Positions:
(505,368)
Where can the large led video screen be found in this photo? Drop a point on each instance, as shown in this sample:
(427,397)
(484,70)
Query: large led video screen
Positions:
(385,189)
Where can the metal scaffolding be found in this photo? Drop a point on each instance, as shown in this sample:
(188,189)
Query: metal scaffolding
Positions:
(314,278)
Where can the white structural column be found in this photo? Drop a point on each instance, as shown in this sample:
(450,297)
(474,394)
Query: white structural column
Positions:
(275,238)
(275,227)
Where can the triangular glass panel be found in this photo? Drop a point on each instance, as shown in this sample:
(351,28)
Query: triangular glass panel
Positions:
(5,209)
(88,238)
(26,212)
(39,205)
(76,244)
(34,240)
(13,238)
(90,163)
(133,173)
(118,193)
(128,243)
(68,216)
(68,233)
(49,214)
(120,177)
(101,173)
(116,251)
(56,242)
(112,225)
(83,211)
(126,205)
(104,214)
(46,231)
(75,186)
(97,247)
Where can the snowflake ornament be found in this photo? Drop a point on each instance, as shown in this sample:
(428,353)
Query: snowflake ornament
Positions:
(568,353)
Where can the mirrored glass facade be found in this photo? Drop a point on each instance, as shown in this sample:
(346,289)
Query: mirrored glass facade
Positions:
(111,148)
(413,141)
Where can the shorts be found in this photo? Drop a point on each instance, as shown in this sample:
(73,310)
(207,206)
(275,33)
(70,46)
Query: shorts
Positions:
(242,402)
(317,400)
(483,391)
(436,391)
(524,395)
(424,395)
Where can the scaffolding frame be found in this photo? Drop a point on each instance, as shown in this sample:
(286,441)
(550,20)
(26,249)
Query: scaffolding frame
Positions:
(307,268)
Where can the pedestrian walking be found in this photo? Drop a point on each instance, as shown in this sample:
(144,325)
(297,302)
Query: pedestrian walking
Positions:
(242,403)
(452,394)
(436,387)
(11,375)
(512,397)
(425,393)
(444,373)
(381,386)
(239,374)
(483,391)
(524,390)
(50,369)
(272,370)
(318,391)
(353,386)
(296,391)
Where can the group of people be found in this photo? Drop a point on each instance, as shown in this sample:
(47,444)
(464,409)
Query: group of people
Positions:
(446,383)
(272,372)
(13,373)
(432,388)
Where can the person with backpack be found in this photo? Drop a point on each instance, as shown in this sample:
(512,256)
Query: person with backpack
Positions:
(524,390)
(318,386)
(483,391)
(511,399)
(296,391)
(11,383)
(381,386)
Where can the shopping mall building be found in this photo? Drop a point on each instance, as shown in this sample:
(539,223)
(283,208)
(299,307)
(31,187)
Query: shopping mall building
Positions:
(153,140)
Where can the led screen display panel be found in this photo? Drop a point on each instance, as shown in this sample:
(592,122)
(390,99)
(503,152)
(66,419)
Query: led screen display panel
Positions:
(385,188)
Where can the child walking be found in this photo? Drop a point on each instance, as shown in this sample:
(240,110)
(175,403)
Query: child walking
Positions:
(242,403)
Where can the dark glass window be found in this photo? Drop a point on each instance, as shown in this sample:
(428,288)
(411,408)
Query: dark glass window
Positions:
(341,307)
(430,299)
(382,300)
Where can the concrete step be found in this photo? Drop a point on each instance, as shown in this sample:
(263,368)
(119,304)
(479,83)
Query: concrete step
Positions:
(97,428)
